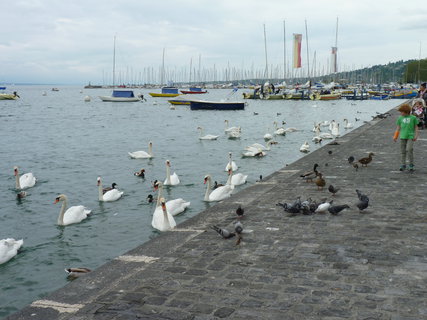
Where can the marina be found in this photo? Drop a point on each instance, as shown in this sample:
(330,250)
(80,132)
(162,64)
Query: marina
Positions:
(48,132)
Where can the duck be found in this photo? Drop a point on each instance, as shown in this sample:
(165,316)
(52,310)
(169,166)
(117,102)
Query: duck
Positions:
(320,181)
(73,273)
(219,193)
(305,147)
(9,248)
(171,180)
(347,125)
(24,181)
(311,174)
(175,206)
(140,173)
(113,186)
(163,220)
(143,154)
(231,164)
(111,195)
(236,179)
(206,137)
(74,214)
(366,160)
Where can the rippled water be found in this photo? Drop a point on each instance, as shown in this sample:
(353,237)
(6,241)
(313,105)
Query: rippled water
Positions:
(67,143)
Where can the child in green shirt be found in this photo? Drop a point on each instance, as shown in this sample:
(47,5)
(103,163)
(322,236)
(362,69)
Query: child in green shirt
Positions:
(407,127)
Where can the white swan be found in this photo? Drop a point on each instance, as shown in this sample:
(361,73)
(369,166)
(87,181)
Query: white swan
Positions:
(175,206)
(324,123)
(111,195)
(236,179)
(291,129)
(336,130)
(305,147)
(227,129)
(234,134)
(268,136)
(331,125)
(142,154)
(348,125)
(206,137)
(74,214)
(260,146)
(253,152)
(231,164)
(27,180)
(9,248)
(163,220)
(219,193)
(323,135)
(171,180)
(279,131)
(317,138)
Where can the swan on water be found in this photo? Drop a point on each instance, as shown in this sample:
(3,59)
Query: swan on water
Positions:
(206,137)
(111,195)
(323,135)
(143,154)
(9,248)
(163,220)
(234,134)
(27,180)
(74,214)
(227,129)
(231,164)
(219,193)
(347,125)
(336,130)
(279,131)
(317,138)
(260,146)
(171,180)
(253,152)
(236,179)
(291,129)
(175,206)
(305,147)
(331,125)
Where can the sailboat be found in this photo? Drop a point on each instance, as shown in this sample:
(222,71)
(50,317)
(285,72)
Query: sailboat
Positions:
(168,91)
(120,95)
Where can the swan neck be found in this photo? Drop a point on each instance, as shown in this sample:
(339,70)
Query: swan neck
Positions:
(150,149)
(62,212)
(159,195)
(229,177)
(168,174)
(18,184)
(100,193)
(208,189)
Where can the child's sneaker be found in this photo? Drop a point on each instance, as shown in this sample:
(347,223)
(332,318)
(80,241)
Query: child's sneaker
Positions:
(411,168)
(402,167)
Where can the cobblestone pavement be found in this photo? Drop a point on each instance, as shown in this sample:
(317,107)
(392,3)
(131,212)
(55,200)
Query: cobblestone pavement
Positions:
(370,265)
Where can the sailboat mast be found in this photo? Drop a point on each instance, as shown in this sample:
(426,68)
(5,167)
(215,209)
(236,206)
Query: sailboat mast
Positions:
(191,66)
(308,56)
(163,68)
(114,63)
(284,51)
(266,62)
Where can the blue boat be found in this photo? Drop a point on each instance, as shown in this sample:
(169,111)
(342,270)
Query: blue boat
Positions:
(122,96)
(216,105)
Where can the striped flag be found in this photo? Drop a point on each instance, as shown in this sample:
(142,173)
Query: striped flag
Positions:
(297,50)
(334,67)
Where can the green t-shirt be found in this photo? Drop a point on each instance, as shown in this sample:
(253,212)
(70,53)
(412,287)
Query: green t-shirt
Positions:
(407,126)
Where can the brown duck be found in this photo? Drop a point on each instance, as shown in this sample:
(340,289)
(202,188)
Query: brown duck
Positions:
(366,160)
(310,175)
(320,182)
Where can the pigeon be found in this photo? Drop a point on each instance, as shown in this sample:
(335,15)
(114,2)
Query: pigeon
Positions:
(350,159)
(238,228)
(292,208)
(356,166)
(334,210)
(223,232)
(332,189)
(240,212)
(363,201)
(323,207)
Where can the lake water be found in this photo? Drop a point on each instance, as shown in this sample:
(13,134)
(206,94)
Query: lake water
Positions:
(67,143)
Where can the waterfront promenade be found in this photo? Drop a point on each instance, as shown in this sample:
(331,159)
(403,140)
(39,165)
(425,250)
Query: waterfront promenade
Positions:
(369,265)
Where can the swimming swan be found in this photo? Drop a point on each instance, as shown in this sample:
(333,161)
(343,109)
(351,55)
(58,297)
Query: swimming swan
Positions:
(236,179)
(219,193)
(171,180)
(163,220)
(74,214)
(111,195)
(206,137)
(27,180)
(143,154)
(9,248)
(175,206)
(231,164)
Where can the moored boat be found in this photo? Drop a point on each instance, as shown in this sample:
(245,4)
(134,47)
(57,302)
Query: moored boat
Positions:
(216,105)
(194,90)
(168,92)
(122,96)
(9,96)
(326,96)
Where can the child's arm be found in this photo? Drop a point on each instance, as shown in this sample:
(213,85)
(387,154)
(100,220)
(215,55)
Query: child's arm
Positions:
(396,133)
(416,133)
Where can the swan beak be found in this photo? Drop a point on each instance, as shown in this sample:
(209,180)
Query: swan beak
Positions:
(56,201)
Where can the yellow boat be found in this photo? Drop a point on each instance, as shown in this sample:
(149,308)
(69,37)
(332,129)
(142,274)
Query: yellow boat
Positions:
(179,102)
(8,96)
(329,96)
(167,92)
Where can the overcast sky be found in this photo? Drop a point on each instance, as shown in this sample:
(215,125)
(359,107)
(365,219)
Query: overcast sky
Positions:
(71,42)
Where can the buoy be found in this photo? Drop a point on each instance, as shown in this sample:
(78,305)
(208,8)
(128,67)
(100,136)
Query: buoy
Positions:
(87,98)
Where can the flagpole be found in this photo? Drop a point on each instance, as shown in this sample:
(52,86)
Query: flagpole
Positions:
(308,56)
(284,51)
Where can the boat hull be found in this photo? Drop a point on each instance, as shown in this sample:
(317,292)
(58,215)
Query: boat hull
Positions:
(6,96)
(164,95)
(192,92)
(179,102)
(119,99)
(211,105)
